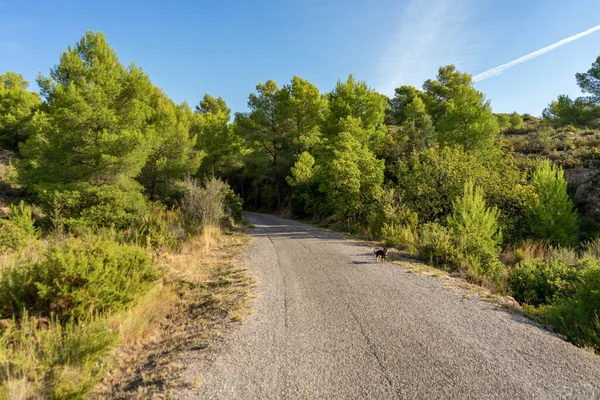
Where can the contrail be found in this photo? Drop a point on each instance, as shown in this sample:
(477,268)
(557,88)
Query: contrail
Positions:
(501,68)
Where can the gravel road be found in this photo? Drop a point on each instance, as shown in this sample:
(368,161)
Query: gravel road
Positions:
(330,323)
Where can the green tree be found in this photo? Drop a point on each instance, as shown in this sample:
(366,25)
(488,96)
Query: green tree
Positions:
(589,82)
(431,179)
(403,96)
(263,131)
(302,181)
(175,155)
(468,121)
(476,232)
(301,109)
(565,111)
(217,138)
(17,106)
(552,216)
(418,125)
(356,99)
(349,175)
(95,122)
(438,91)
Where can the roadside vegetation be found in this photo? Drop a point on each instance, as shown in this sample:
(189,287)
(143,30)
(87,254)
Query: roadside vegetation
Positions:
(115,250)
(107,185)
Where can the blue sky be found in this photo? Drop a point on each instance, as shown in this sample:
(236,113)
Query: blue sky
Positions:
(226,47)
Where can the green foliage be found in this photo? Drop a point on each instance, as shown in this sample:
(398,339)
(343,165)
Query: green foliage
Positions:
(156,230)
(537,281)
(418,126)
(17,106)
(86,206)
(431,179)
(516,121)
(11,236)
(234,204)
(217,138)
(578,316)
(468,121)
(350,175)
(262,130)
(434,245)
(402,237)
(403,96)
(95,125)
(303,185)
(76,279)
(589,82)
(58,361)
(565,111)
(174,155)
(476,234)
(19,229)
(302,108)
(503,121)
(440,90)
(355,99)
(552,217)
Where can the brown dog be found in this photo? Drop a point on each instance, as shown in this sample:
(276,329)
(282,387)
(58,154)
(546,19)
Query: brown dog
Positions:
(381,255)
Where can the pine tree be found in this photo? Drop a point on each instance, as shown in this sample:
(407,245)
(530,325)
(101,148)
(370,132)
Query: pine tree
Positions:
(552,216)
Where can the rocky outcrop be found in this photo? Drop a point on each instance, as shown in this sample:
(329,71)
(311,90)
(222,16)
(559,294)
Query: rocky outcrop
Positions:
(584,188)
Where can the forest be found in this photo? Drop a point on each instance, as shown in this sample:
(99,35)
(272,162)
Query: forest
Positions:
(102,171)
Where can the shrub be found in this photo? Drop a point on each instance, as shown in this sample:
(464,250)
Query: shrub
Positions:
(389,209)
(400,236)
(84,205)
(591,250)
(19,229)
(53,361)
(538,282)
(77,278)
(234,203)
(475,233)
(516,121)
(578,316)
(157,230)
(204,206)
(22,216)
(11,236)
(434,245)
(552,216)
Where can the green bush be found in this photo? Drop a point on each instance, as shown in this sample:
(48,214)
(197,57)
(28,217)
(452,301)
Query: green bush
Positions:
(400,236)
(11,236)
(84,205)
(538,281)
(434,245)
(57,361)
(157,230)
(77,278)
(19,229)
(578,316)
(552,216)
(476,234)
(389,209)
(234,202)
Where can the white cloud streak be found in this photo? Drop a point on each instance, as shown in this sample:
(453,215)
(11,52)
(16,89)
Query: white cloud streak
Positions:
(501,68)
(429,34)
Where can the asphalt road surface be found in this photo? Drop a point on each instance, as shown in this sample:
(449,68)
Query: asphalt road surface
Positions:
(330,323)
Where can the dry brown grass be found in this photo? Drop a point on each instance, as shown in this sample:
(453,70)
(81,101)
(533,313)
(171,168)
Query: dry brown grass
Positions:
(202,292)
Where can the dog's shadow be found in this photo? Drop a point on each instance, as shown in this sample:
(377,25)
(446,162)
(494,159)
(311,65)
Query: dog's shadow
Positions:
(361,262)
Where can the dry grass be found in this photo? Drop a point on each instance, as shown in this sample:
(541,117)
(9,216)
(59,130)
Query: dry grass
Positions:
(202,292)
